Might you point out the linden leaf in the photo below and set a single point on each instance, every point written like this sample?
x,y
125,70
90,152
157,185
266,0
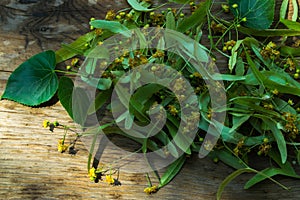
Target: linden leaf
x,y
259,14
34,81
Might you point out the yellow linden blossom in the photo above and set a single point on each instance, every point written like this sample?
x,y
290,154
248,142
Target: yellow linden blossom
x,y
150,190
109,179
92,174
110,15
46,123
173,110
275,91
290,101
61,146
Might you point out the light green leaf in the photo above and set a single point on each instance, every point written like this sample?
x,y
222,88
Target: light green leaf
x,y
140,7
74,48
170,21
259,14
34,81
291,24
233,58
227,77
113,26
172,171
283,8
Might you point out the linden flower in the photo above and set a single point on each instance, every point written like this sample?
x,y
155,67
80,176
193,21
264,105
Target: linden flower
x,y
61,146
109,179
290,101
92,174
150,190
173,110
46,123
110,15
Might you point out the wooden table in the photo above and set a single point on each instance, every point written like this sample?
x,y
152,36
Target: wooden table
x,y
31,167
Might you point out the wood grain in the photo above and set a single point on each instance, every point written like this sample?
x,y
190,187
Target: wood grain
x,y
31,167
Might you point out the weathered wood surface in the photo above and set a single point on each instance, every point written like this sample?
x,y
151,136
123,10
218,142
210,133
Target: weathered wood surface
x,y
31,167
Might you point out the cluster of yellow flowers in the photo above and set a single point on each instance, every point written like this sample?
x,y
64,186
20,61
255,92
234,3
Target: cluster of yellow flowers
x,y
291,125
228,45
61,146
151,190
270,51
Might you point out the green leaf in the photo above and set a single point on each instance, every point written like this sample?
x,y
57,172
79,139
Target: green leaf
x,y
291,24
182,141
34,81
233,58
229,178
229,159
227,77
138,6
289,51
172,171
170,21
65,90
71,50
265,174
286,167
180,1
259,14
113,26
196,18
80,105
100,100
278,137
283,8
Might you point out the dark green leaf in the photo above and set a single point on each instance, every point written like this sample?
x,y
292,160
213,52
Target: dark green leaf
x,y
172,171
259,14
182,141
196,18
34,81
65,90
229,159
80,105
289,51
100,100
278,137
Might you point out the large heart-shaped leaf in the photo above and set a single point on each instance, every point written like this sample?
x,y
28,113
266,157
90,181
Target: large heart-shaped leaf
x,y
259,14
34,81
